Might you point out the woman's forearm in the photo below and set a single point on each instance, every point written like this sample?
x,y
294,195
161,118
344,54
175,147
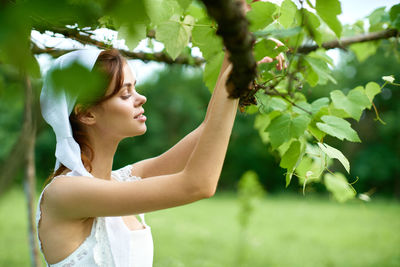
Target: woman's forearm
x,y
224,66
205,163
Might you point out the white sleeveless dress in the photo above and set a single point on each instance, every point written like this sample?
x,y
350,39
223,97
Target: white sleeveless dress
x,y
110,243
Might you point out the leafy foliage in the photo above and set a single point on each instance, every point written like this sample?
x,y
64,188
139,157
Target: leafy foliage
x,y
286,120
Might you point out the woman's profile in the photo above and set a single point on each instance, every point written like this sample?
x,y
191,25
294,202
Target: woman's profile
x,y
87,213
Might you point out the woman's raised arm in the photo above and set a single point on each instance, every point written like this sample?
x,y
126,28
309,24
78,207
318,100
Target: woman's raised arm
x,y
175,159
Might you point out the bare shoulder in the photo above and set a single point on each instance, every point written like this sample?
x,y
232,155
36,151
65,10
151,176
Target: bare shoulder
x,y
65,192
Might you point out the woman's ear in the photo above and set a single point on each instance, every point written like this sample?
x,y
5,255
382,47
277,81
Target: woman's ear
x,y
84,115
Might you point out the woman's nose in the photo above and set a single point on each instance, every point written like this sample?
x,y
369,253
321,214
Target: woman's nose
x,y
141,99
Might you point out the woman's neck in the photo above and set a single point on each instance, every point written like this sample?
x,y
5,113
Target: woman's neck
x,y
104,150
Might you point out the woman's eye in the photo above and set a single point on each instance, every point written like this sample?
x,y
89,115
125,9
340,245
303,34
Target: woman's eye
x,y
126,96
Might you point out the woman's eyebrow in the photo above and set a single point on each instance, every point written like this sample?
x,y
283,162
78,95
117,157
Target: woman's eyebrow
x,y
128,84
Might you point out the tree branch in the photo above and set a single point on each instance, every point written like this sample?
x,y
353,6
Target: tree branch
x,y
146,57
344,42
84,37
233,28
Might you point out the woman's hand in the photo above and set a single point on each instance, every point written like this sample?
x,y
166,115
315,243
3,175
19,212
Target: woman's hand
x,y
281,58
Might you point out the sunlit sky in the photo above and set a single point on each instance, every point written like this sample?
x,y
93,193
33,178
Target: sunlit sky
x,y
352,10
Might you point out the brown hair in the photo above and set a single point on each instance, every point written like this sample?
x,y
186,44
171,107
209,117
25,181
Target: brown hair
x,y
110,63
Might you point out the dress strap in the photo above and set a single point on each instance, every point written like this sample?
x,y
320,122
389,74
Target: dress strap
x,y
141,215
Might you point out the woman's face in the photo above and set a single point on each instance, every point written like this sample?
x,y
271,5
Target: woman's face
x,y
121,115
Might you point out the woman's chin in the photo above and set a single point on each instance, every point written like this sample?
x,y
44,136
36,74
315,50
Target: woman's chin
x,y
139,132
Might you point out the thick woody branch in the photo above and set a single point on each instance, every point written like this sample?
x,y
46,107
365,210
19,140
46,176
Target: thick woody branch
x,y
344,42
238,40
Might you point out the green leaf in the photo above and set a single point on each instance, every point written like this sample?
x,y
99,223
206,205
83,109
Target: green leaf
x,y
312,167
260,123
285,127
278,33
212,70
175,35
291,159
132,34
354,103
394,14
312,23
162,10
291,156
121,12
69,79
318,104
302,108
338,128
364,50
205,38
371,90
328,10
288,11
338,185
333,153
266,48
260,15
317,133
320,68
377,16
184,3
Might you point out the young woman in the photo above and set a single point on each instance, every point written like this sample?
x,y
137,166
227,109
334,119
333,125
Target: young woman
x,y
86,213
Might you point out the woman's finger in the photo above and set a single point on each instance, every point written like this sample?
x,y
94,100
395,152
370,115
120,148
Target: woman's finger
x,y
265,60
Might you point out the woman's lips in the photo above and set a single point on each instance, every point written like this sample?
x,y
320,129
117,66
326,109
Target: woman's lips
x,y
141,118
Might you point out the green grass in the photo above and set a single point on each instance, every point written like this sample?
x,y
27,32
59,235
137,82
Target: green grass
x,y
284,230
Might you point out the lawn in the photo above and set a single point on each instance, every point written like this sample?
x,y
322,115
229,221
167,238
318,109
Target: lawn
x,y
284,230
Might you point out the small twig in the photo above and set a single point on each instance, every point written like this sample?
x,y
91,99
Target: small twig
x,y
290,101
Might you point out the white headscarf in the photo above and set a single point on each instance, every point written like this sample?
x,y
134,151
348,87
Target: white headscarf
x,y
57,105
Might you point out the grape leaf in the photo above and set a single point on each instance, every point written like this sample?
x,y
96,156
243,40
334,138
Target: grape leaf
x,y
338,128
260,15
333,153
328,10
371,90
212,69
132,34
312,167
285,127
377,16
175,35
320,68
288,10
318,104
394,14
354,103
364,50
338,185
312,23
205,39
184,3
267,48
291,159
161,10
